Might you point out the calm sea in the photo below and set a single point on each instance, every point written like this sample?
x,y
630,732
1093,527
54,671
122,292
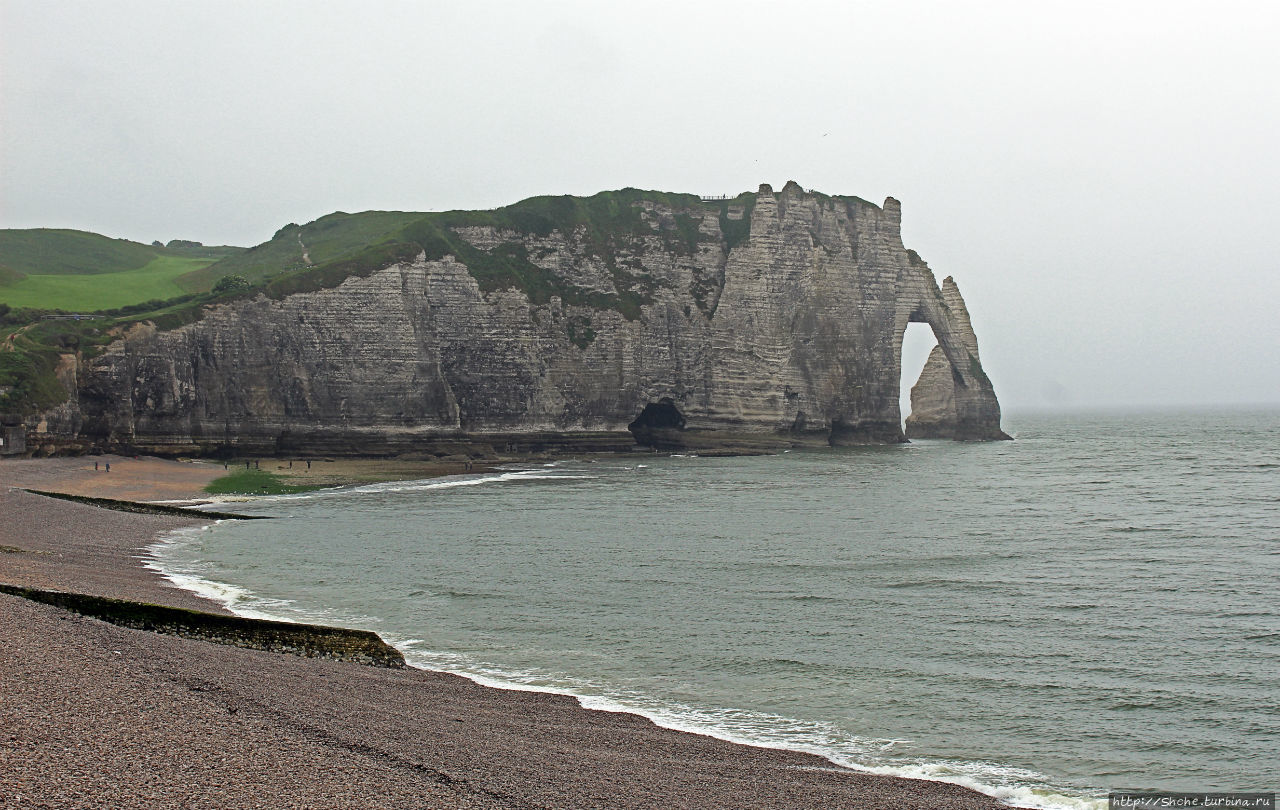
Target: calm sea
x,y
1092,606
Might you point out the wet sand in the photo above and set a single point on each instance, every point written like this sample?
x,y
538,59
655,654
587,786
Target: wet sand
x,y
95,715
141,479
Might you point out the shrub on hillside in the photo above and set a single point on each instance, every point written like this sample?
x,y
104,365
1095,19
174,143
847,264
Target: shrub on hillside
x,y
231,284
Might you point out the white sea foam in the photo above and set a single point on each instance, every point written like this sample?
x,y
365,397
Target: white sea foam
x,y
165,557
1014,786
414,485
169,557
452,482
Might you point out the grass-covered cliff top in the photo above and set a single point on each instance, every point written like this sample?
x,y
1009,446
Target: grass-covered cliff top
x,y
45,273
78,271
323,253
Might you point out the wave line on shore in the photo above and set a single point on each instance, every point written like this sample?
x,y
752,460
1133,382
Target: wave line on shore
x,y
1018,787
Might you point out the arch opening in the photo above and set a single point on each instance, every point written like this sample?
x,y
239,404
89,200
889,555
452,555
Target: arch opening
x,y
917,342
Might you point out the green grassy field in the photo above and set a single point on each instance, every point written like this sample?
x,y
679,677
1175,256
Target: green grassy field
x,y
57,268
329,239
59,251
84,293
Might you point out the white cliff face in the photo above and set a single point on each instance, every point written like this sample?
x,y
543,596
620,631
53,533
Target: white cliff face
x,y
794,333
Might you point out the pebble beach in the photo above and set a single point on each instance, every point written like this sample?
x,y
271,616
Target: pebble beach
x,y
96,715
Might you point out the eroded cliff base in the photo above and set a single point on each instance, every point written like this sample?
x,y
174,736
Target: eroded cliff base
x,y
488,447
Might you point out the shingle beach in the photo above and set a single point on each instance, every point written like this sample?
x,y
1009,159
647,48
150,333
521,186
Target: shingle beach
x,y
95,715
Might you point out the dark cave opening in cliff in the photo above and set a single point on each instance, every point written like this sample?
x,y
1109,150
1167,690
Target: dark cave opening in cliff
x,y
659,424
917,342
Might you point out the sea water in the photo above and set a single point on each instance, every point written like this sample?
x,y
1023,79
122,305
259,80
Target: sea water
x,y
1092,606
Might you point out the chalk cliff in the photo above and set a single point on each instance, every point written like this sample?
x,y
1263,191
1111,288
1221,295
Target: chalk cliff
x,y
776,317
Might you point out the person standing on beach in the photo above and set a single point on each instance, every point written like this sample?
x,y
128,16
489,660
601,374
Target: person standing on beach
x,y
95,466
108,466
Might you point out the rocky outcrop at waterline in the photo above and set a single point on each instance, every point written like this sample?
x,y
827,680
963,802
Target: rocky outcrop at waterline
x,y
774,318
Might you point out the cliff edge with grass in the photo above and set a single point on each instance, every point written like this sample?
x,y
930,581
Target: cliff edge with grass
x,y
769,319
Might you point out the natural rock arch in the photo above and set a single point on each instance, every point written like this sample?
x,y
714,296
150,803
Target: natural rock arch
x,y
953,398
802,345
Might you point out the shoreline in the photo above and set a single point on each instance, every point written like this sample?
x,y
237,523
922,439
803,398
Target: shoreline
x,y
149,479
420,735
244,602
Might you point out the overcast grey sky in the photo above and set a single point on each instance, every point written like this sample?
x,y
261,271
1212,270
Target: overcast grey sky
x,y
1100,178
